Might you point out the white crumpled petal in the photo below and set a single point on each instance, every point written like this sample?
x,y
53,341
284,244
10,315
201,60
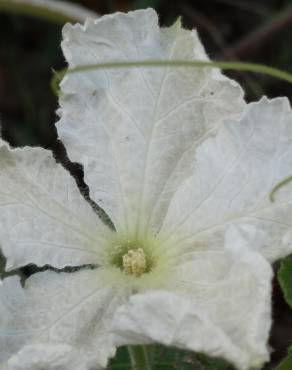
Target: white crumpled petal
x,y
53,357
136,130
58,308
219,305
43,217
234,174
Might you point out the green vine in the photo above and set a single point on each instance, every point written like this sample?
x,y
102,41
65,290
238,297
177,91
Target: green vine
x,y
49,12
239,66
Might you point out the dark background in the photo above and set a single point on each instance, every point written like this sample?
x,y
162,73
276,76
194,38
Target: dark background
x,y
258,31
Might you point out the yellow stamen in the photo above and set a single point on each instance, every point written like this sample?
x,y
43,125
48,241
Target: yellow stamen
x,y
134,262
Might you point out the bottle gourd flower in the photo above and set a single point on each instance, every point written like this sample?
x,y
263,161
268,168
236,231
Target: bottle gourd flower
x,y
183,167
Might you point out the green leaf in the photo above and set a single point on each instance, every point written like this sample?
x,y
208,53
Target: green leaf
x,y
121,360
210,363
286,364
285,279
170,358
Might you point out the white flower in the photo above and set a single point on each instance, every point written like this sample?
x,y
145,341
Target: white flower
x,y
188,264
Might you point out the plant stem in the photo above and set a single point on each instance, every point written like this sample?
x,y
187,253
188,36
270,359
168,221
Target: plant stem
x,y
240,66
53,11
139,358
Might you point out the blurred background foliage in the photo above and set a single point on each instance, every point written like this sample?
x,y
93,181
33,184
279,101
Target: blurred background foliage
x,y
258,31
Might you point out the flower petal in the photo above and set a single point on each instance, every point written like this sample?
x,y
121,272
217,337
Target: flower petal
x,y
53,357
136,129
43,217
233,176
59,309
219,305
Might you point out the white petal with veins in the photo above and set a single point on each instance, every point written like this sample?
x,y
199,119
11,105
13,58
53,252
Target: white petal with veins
x,y
53,357
43,217
136,130
59,308
233,176
219,304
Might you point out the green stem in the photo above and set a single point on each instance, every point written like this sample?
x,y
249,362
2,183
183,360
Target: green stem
x,y
239,66
139,358
52,11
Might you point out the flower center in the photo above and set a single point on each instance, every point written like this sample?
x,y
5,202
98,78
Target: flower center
x,y
134,262
132,256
